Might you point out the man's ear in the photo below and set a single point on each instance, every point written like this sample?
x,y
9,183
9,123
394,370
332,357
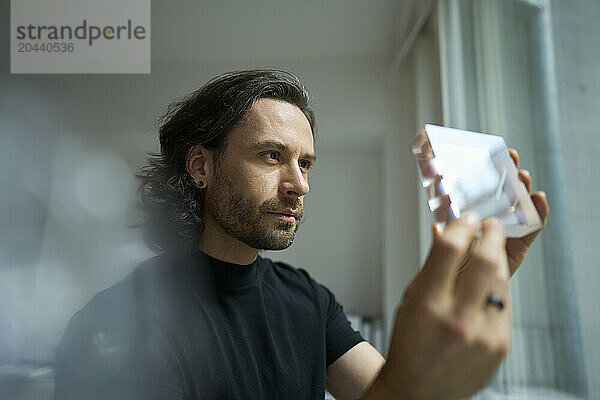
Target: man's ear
x,y
199,164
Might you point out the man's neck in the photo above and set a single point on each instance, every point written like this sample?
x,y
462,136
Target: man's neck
x,y
219,245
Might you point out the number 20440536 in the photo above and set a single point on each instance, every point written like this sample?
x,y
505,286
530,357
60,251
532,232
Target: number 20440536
x,y
45,47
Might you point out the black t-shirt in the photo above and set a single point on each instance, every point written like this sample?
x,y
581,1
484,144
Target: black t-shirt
x,y
193,327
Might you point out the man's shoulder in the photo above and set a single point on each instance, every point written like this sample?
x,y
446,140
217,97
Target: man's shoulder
x,y
117,308
145,274
285,271
114,335
295,279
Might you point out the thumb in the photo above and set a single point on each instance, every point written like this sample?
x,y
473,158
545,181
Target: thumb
x,y
436,230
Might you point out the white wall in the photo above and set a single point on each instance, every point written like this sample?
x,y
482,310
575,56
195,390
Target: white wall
x,y
401,219
576,34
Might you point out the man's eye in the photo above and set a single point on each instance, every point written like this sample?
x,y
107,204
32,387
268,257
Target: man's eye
x,y
272,155
305,164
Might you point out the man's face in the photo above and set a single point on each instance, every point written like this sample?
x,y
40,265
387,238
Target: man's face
x,y
261,178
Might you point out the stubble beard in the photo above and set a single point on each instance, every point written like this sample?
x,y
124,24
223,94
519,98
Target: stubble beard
x,y
247,222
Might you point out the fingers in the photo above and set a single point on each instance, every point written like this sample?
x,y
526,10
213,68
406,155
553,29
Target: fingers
x,y
448,252
485,321
489,251
525,177
486,271
541,205
514,154
436,230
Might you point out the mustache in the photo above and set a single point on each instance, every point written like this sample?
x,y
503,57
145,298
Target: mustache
x,y
279,204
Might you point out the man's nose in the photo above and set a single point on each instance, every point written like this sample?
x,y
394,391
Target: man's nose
x,y
294,182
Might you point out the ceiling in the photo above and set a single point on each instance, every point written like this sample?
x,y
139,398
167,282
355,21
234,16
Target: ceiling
x,y
341,49
193,32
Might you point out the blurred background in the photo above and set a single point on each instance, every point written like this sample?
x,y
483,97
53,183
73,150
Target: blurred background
x,y
377,71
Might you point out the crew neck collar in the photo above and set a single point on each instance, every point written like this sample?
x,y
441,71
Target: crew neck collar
x,y
229,275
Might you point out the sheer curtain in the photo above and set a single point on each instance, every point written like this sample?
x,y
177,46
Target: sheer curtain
x,y
497,76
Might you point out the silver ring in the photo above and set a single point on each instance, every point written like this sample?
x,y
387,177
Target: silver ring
x,y
495,300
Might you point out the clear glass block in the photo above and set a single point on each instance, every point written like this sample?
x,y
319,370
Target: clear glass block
x,y
470,171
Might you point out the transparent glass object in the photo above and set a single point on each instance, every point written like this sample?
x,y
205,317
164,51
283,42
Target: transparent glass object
x,y
470,171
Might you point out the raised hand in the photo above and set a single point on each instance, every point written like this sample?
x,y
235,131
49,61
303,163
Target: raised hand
x,y
449,335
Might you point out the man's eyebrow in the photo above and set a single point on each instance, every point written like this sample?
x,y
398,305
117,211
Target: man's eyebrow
x,y
274,144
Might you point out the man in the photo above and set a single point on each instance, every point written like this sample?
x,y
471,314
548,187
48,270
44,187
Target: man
x,y
210,318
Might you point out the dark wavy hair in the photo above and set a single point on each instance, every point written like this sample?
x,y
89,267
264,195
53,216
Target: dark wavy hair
x,y
171,203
